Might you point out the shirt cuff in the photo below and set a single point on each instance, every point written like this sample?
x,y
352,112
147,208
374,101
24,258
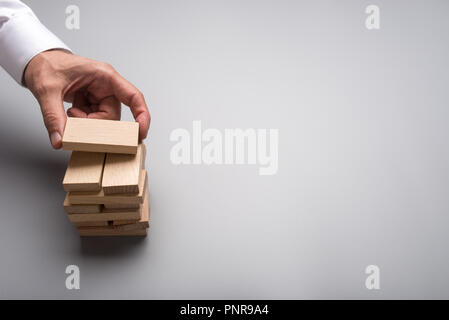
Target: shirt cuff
x,y
21,38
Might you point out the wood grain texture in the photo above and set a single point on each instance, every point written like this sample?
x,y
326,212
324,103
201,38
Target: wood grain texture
x,y
80,208
122,222
122,206
84,172
94,135
111,232
100,198
121,226
144,221
122,171
92,224
106,215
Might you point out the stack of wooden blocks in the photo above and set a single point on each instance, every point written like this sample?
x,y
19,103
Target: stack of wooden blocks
x,y
106,181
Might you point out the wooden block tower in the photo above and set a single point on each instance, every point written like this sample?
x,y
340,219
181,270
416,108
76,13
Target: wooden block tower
x,y
106,181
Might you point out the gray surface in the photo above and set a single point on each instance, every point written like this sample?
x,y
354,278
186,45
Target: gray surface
x,y
364,158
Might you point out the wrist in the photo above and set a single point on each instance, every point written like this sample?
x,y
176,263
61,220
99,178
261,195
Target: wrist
x,y
43,63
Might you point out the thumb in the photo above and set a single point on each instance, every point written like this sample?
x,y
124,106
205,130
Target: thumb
x,y
54,118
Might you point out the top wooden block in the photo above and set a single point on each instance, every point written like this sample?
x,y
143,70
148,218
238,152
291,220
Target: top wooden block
x,y
93,135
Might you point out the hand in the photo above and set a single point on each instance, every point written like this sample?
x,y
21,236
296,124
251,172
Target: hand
x,y
94,88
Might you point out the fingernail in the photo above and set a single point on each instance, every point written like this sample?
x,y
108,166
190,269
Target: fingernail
x,y
55,139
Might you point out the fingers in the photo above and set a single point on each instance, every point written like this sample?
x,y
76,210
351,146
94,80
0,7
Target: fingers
x,y
54,117
76,113
104,83
134,99
81,102
109,108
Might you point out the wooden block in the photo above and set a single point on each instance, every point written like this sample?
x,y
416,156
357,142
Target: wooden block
x,y
124,225
122,206
93,135
84,172
100,198
122,171
106,215
111,232
122,222
80,208
144,221
92,224
115,229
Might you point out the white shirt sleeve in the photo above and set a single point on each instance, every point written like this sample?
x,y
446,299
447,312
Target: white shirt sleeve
x,y
22,36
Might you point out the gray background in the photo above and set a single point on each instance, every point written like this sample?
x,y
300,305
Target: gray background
x,y
363,154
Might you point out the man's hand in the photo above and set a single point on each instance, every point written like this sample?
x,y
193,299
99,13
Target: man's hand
x,y
95,89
